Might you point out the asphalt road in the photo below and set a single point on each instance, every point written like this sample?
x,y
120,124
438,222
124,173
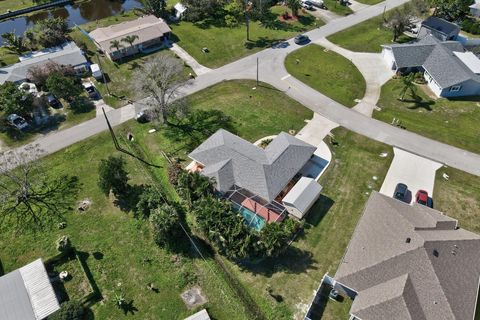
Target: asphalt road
x,y
272,71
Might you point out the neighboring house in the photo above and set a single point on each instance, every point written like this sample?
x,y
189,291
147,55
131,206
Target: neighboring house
x,y
179,10
27,293
258,179
200,315
449,70
439,28
149,32
67,54
475,9
409,262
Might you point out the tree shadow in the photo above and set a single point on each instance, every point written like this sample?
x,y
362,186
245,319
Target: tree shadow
x,y
418,103
292,261
83,257
82,105
198,125
127,202
129,308
2,271
261,42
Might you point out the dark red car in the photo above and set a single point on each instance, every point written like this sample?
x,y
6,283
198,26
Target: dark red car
x,y
422,197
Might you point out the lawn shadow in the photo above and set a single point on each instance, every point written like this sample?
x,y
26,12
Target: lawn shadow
x,y
292,261
319,211
198,125
129,200
418,102
83,257
261,42
82,105
129,308
2,271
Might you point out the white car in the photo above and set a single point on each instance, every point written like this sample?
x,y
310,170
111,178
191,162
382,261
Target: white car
x,y
17,121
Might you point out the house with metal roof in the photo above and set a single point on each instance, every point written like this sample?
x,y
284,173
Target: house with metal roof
x,y
255,178
27,293
409,262
450,70
440,28
475,8
149,33
66,54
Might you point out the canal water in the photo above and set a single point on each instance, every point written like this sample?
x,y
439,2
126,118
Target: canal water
x,y
78,13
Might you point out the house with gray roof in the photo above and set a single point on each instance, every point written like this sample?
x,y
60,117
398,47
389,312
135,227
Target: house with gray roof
x,y
440,28
27,293
66,54
409,262
266,174
450,70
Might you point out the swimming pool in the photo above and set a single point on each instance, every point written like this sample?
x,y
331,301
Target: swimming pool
x,y
251,219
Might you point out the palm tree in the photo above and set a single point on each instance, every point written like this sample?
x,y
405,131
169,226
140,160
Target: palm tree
x,y
408,85
130,39
294,5
115,44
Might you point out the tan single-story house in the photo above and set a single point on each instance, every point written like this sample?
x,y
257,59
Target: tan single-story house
x,y
149,33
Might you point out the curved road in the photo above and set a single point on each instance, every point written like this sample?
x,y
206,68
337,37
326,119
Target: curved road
x,y
272,71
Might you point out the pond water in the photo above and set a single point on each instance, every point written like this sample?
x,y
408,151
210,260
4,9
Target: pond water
x,y
78,13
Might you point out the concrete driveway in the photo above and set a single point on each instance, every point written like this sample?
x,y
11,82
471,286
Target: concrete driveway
x,y
416,172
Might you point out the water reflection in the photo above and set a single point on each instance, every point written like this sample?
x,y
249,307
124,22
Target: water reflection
x,y
75,14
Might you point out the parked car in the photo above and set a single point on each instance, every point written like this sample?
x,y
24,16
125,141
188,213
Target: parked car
x,y
308,5
17,121
315,3
301,38
90,88
53,101
422,197
400,192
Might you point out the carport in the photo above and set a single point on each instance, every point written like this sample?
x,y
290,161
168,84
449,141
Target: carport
x,y
416,172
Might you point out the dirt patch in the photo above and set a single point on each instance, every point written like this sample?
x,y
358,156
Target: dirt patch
x,y
193,297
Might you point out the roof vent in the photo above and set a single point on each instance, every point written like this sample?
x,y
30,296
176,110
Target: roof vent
x,y
408,240
435,253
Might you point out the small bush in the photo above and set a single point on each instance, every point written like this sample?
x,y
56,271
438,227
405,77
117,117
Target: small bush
x,y
149,200
165,224
471,26
70,310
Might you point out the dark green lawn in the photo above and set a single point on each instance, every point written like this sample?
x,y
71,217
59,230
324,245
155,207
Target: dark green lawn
x,y
329,226
367,36
125,242
328,72
449,121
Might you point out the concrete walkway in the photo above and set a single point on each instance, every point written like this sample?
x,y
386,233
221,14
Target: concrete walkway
x,y
373,69
324,15
416,172
99,105
189,60
316,130
357,6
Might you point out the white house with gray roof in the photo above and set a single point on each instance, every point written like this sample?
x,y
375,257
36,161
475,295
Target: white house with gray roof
x,y
450,70
268,173
66,54
409,262
27,294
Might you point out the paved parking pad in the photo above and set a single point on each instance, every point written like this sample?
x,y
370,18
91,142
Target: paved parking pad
x,y
414,171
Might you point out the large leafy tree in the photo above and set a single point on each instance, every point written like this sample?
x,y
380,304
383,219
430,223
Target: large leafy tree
x,y
452,10
39,74
161,79
62,86
155,7
14,42
14,100
51,31
294,5
399,20
198,10
30,198
165,223
193,186
113,176
149,200
69,310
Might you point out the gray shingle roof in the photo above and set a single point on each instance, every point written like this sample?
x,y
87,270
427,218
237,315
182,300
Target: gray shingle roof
x,y
434,275
66,54
441,25
232,160
436,57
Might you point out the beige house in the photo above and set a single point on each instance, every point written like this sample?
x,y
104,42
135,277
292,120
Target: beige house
x,y
149,33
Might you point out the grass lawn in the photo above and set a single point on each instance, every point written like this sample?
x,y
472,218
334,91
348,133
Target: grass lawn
x,y
229,44
367,36
13,5
337,8
453,122
328,72
459,197
7,57
293,277
117,244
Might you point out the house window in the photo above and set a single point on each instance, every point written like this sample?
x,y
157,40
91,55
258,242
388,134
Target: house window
x,y
455,88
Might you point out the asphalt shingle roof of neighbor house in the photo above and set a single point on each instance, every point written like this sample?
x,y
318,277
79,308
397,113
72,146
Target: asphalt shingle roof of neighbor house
x,y
27,294
437,58
146,28
232,160
440,25
410,262
66,54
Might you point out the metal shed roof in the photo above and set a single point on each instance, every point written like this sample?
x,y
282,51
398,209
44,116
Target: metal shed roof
x,y
201,315
303,194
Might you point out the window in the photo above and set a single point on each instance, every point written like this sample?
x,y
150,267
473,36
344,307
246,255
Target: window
x,y
455,88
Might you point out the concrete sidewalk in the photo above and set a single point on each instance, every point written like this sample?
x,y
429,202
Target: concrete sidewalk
x,y
192,63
